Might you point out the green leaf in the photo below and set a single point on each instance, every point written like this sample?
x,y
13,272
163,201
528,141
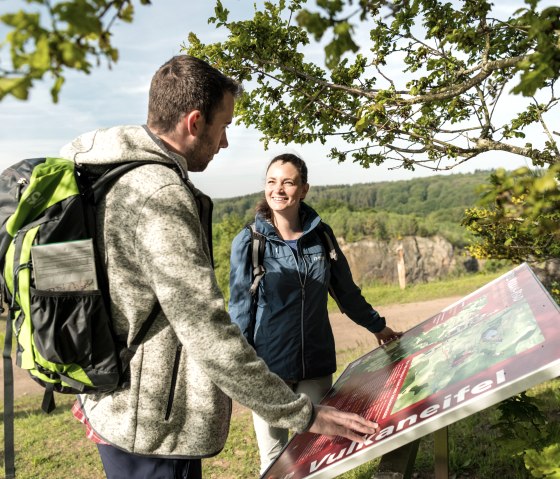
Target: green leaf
x,y
40,59
545,463
18,87
361,124
80,16
127,13
55,90
221,12
546,183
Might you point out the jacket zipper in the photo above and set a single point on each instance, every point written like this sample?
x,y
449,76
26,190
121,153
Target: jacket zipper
x,y
302,316
302,285
173,382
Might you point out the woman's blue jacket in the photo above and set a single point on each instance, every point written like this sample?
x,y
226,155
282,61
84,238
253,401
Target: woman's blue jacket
x,y
290,328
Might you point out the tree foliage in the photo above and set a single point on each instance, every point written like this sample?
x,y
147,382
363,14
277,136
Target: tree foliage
x,y
518,216
412,83
424,90
55,36
441,196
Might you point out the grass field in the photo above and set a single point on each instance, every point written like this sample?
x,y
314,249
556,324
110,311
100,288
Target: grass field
x,y
384,294
54,446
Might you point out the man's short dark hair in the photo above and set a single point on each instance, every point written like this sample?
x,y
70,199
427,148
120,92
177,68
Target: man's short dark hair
x,y
184,84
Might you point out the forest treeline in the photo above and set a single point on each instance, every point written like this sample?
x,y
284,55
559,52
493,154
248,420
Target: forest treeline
x,y
384,210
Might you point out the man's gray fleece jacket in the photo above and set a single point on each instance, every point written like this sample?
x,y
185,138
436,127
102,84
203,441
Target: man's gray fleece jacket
x,y
193,359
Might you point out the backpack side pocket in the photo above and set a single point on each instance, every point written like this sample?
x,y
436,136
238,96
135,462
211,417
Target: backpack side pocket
x,y
69,330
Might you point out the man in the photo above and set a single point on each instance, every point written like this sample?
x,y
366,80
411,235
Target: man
x,y
154,229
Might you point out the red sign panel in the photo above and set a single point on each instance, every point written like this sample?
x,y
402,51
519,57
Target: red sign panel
x,y
497,342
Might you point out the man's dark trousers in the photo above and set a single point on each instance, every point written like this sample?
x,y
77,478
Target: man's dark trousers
x,y
123,465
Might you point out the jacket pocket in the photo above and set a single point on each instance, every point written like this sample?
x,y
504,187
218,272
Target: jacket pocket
x,y
173,383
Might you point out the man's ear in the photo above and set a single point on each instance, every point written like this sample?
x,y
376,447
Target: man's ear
x,y
193,121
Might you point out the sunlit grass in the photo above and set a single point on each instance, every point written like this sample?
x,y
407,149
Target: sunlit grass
x,y
383,294
55,445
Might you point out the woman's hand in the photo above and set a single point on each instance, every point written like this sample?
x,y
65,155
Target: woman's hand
x,y
386,335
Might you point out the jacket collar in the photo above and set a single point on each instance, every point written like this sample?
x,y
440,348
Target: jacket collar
x,y
309,220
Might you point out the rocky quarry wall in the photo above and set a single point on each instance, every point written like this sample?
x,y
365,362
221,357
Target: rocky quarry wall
x,y
425,259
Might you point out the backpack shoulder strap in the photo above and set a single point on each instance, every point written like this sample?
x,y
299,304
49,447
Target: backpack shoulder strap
x,y
328,244
97,185
9,445
127,354
327,241
256,250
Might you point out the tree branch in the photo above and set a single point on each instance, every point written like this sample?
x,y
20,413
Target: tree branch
x,y
545,128
486,144
486,70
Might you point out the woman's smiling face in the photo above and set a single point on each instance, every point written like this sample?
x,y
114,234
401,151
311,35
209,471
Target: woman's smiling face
x,y
284,188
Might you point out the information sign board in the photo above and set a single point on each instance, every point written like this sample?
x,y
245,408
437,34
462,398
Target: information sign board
x,y
496,342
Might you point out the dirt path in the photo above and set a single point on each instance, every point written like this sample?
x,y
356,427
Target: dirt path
x,y
400,317
347,334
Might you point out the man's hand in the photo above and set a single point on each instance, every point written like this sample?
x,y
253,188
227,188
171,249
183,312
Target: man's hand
x,y
331,422
386,335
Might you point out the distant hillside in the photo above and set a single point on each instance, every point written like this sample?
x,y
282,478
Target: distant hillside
x,y
422,214
443,197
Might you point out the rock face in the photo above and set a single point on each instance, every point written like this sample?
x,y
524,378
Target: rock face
x,y
424,259
548,272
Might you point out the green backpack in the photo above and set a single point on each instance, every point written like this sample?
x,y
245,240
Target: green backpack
x,y
55,286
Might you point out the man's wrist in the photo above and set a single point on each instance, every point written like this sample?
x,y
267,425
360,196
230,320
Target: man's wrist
x,y
312,418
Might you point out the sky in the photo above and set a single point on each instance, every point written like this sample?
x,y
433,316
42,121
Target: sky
x,y
118,96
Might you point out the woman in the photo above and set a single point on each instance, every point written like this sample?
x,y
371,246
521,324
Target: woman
x,y
287,320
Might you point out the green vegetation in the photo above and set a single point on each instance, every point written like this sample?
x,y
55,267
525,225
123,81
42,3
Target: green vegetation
x,y
47,40
422,206
421,197
55,445
383,294
519,218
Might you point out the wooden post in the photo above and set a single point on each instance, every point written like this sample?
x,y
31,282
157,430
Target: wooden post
x,y
400,266
441,453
